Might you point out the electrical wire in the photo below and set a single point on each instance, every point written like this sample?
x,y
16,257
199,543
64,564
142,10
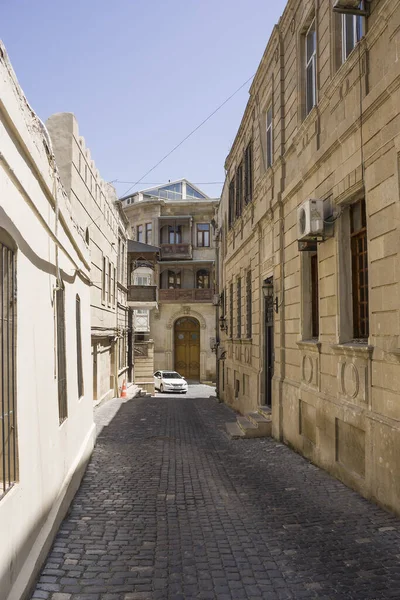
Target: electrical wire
x,y
189,135
163,182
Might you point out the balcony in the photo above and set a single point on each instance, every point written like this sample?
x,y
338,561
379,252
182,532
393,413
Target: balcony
x,y
176,251
189,295
142,293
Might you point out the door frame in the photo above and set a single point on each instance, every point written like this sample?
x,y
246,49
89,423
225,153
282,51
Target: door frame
x,y
199,327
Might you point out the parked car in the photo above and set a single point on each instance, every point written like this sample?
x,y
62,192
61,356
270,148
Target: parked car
x,y
170,381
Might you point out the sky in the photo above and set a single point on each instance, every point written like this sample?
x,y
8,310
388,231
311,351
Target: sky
x,y
140,75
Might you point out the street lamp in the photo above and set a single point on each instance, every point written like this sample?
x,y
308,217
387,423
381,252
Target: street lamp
x,y
268,291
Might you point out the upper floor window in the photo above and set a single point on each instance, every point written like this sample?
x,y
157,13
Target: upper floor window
x,y
249,306
239,308
175,234
248,173
231,207
203,235
352,32
139,233
310,66
231,310
149,230
142,280
203,279
174,280
359,268
269,137
239,190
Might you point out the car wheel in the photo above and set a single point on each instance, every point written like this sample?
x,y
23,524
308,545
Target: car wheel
x,y
161,388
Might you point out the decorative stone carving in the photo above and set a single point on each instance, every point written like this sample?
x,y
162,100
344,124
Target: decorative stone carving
x,y
353,379
310,363
185,310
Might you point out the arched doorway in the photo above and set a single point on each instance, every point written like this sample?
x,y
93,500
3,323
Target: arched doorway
x,y
187,347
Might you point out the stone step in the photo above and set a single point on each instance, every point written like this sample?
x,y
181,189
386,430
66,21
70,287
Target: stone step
x,y
249,428
234,431
265,411
264,424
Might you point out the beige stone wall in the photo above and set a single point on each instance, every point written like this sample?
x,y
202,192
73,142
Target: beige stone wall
x,y
334,399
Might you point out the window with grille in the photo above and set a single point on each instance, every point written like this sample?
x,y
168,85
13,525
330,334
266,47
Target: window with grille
x,y
139,233
239,308
269,137
310,67
149,230
248,173
248,305
79,347
352,32
61,356
203,235
314,296
239,190
231,207
231,310
8,416
359,265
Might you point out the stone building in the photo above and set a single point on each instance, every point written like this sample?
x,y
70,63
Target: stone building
x,y
104,225
46,408
309,290
178,219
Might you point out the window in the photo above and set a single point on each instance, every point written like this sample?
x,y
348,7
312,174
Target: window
x,y
248,173
139,233
248,305
203,279
239,308
149,229
231,207
174,234
8,416
114,287
231,310
79,347
239,190
311,79
269,137
314,295
352,32
359,265
122,267
109,284
174,280
142,280
203,235
103,280
61,356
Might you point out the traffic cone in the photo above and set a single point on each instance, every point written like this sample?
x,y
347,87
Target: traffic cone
x,y
123,390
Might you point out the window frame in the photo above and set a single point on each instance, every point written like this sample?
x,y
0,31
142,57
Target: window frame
x,y
248,173
206,276
176,276
148,232
239,308
269,137
310,66
239,190
203,236
249,305
139,233
359,277
358,31
231,203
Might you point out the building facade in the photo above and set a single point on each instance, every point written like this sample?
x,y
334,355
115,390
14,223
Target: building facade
x,y
46,409
309,307
104,225
178,219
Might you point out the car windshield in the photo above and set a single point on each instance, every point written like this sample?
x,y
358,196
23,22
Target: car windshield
x,y
171,375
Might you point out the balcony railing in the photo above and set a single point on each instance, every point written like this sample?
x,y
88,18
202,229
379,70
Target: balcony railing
x,y
181,295
176,251
142,293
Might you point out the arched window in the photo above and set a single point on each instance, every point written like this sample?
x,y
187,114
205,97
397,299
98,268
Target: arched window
x,y
203,279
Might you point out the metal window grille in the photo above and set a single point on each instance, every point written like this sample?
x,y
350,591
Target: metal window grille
x,y
248,305
231,207
269,137
248,173
311,57
359,254
239,308
231,311
314,296
79,347
61,356
239,190
8,425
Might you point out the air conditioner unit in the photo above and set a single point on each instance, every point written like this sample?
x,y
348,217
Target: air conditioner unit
x,y
352,7
216,299
310,220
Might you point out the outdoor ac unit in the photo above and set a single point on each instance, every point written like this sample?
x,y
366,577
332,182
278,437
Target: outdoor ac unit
x,y
310,220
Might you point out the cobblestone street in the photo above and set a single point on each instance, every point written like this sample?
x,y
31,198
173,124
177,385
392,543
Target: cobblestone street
x,y
171,509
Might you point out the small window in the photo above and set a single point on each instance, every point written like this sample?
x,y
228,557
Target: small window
x,y
149,229
79,347
139,233
310,67
203,235
248,173
231,207
203,279
359,266
142,280
248,305
239,308
352,32
239,191
269,137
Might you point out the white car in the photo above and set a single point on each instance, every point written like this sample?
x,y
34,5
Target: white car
x,y
170,381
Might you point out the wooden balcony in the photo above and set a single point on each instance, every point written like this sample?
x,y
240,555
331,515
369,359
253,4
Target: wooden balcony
x,y
181,295
176,251
142,293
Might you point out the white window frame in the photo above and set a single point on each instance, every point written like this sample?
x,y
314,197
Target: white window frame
x,y
311,67
357,29
269,136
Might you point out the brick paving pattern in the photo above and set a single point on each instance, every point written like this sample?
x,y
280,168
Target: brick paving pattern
x,y
171,509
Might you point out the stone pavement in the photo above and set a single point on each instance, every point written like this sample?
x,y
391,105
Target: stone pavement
x,y
171,509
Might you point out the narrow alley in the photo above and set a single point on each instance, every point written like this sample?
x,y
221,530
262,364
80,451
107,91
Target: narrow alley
x,y
171,509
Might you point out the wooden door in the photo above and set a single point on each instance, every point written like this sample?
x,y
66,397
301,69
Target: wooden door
x,y
187,347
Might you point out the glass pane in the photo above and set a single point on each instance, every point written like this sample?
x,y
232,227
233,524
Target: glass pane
x,y
310,42
203,226
310,89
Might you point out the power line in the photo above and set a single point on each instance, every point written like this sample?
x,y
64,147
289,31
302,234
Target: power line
x,y
163,182
189,135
